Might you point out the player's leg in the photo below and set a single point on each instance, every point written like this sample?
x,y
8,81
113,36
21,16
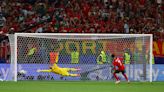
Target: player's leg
x,y
116,77
73,69
74,75
124,74
66,73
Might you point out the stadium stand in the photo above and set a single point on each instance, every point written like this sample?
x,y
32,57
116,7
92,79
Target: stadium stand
x,y
81,16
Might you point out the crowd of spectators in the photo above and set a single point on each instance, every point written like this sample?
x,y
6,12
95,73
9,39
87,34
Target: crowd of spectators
x,y
82,16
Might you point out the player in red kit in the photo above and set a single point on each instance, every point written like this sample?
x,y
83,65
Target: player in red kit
x,y
118,67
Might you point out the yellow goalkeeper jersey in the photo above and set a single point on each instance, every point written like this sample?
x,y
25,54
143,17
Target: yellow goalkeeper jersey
x,y
56,69
62,71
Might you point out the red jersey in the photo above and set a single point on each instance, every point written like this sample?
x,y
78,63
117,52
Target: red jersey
x,y
118,65
54,57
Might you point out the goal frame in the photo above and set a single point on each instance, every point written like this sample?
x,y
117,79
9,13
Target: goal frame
x,y
78,34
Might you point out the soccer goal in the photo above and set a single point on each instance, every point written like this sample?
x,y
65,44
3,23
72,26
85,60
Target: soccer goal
x,y
33,51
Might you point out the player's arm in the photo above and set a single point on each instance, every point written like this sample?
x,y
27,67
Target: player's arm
x,y
44,70
114,67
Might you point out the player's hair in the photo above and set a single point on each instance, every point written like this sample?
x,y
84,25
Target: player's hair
x,y
112,55
50,67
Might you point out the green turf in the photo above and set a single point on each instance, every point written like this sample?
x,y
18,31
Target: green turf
x,y
77,86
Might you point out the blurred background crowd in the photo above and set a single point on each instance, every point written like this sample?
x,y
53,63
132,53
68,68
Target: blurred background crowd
x,y
80,16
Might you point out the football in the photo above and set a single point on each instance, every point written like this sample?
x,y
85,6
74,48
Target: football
x,y
22,71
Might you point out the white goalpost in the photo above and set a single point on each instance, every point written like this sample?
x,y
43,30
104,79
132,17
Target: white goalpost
x,y
31,51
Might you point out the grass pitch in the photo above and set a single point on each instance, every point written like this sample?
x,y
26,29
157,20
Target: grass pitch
x,y
80,86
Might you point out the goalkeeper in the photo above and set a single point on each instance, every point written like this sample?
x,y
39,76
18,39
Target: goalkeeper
x,y
58,70
61,71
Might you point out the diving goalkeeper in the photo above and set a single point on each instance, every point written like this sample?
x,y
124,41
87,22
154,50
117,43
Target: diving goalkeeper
x,y
61,71
58,70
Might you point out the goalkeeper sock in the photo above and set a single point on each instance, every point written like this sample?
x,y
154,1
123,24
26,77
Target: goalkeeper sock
x,y
75,69
74,75
78,69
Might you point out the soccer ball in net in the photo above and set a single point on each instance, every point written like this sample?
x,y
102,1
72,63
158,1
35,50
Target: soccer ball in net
x,y
22,72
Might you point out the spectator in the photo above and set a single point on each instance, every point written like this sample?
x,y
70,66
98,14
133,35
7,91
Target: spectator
x,y
2,20
126,27
40,29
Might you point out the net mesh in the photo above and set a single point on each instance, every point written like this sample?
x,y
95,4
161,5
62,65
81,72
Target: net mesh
x,y
33,53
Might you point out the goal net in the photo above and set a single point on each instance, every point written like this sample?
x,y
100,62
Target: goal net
x,y
89,52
